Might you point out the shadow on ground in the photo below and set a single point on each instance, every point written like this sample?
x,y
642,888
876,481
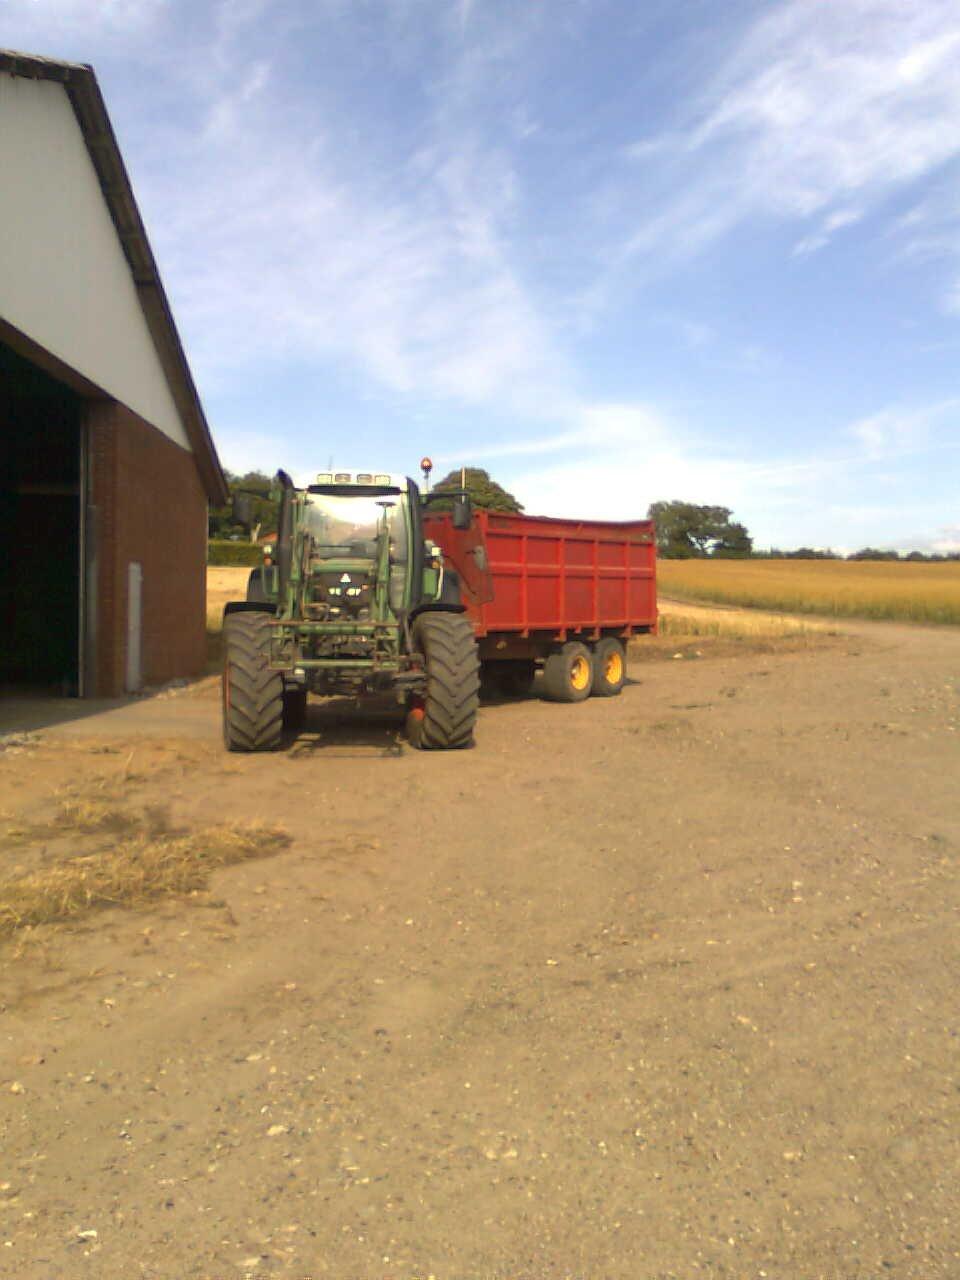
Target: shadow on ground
x,y
28,711
346,727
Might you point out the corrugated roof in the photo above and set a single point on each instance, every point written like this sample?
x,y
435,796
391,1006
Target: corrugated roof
x,y
80,83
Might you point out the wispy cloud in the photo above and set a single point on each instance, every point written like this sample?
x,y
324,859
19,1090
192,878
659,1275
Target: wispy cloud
x,y
108,22
899,430
820,105
821,237
626,456
590,427
286,242
929,232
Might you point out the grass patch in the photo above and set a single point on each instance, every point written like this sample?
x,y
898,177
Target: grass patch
x,y
886,590
146,861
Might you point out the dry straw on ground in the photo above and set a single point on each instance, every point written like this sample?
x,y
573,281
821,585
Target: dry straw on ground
x,y
143,861
735,624
698,631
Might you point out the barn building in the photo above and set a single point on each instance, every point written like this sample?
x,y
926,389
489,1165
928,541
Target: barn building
x,y
106,461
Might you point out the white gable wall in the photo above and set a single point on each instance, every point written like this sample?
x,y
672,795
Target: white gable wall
x,y
64,279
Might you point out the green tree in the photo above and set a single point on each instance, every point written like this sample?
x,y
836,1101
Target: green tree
x,y
484,492
264,510
874,553
685,531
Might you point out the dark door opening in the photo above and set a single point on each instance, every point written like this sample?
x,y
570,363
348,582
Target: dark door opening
x,y
40,506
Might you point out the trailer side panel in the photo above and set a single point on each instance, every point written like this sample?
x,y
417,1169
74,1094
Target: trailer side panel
x,y
554,578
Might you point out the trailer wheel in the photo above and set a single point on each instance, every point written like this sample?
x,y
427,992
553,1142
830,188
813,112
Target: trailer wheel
x,y
568,675
448,713
252,693
609,668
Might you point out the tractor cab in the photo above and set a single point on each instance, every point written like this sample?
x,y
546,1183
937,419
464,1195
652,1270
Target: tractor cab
x,y
357,531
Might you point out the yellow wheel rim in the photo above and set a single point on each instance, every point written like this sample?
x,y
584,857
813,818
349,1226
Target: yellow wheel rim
x,y
580,674
613,668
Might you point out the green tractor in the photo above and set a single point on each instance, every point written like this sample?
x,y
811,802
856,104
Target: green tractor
x,y
353,601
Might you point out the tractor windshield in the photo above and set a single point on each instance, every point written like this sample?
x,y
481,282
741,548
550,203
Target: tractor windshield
x,y
347,525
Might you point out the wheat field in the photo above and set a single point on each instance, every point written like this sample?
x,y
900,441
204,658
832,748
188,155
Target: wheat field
x,y
910,592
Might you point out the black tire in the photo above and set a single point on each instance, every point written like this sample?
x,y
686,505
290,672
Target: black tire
x,y
609,668
255,591
294,709
568,674
252,693
448,715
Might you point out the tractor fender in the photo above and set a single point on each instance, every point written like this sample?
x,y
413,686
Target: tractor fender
x,y
249,606
438,606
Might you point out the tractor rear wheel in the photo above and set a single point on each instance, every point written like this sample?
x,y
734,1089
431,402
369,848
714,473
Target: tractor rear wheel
x,y
448,712
568,674
252,693
609,668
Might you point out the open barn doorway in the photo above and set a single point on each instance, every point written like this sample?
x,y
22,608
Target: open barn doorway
x,y
41,500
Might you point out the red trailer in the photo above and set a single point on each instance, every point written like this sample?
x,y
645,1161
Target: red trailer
x,y
562,593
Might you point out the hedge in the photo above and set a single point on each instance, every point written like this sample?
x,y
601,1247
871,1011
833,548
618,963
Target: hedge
x,y
224,552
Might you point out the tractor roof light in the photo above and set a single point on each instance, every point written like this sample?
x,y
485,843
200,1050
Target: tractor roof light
x,y
369,479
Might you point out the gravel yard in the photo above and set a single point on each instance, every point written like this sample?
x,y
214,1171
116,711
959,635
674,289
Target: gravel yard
x,y
657,986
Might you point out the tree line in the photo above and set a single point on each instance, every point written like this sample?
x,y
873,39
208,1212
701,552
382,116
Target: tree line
x,y
484,492
685,530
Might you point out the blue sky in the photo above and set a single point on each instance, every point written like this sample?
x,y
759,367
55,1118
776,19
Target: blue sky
x,y
614,252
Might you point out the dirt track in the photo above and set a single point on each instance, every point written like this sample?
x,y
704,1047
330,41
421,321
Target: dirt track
x,y
655,987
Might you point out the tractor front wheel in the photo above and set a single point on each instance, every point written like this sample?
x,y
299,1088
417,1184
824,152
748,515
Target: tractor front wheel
x,y
444,718
252,693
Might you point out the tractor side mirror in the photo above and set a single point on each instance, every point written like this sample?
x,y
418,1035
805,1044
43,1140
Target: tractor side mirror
x,y
242,510
462,512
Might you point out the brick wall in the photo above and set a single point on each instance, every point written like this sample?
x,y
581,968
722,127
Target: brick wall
x,y
146,505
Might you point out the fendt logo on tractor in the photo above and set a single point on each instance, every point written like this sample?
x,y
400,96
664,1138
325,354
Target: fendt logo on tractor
x,y
374,586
